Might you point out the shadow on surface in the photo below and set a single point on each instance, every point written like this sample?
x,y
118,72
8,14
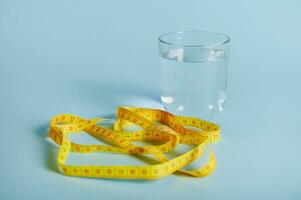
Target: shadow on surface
x,y
49,150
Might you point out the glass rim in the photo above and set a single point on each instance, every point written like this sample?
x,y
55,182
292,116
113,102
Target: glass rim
x,y
227,39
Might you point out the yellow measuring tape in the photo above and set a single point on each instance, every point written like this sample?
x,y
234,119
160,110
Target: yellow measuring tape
x,y
157,125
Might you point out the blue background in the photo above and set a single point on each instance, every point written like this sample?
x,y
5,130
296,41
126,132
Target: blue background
x,y
89,57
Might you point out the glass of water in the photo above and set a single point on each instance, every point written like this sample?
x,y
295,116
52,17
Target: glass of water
x,y
194,67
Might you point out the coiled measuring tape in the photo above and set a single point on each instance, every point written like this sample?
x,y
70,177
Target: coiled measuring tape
x,y
157,125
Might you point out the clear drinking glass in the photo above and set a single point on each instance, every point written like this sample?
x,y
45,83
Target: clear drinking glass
x,y
194,67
